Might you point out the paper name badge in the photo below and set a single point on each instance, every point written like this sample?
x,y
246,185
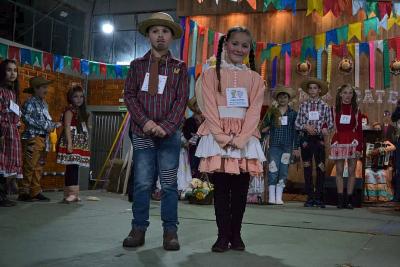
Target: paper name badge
x,y
345,119
313,115
162,81
237,97
14,108
284,120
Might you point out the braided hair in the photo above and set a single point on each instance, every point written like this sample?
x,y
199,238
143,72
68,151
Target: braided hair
x,y
354,105
221,42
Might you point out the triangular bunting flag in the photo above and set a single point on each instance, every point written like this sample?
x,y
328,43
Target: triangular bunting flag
x,y
320,41
14,53
385,8
85,67
370,24
47,61
26,57
315,5
94,68
118,71
37,58
354,31
3,51
68,62
110,71
103,69
76,64
384,22
342,34
58,63
331,37
357,5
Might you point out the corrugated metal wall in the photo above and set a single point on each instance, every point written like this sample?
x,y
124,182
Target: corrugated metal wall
x,y
105,129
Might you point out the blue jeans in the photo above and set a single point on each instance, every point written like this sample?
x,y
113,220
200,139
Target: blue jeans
x,y
279,160
151,155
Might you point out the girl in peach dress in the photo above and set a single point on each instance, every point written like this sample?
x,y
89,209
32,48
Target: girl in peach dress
x,y
229,147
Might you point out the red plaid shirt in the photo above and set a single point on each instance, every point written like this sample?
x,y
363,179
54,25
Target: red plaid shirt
x,y
167,109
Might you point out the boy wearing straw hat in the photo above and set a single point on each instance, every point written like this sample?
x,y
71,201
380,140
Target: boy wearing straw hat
x,y
39,124
279,123
314,120
156,93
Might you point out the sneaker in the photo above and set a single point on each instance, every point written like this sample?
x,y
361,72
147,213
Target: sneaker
x,y
7,203
319,204
41,197
135,238
221,245
170,241
25,198
309,203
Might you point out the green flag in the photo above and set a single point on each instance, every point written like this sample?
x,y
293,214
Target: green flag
x,y
125,70
370,24
386,67
110,71
94,68
3,51
36,58
265,54
266,4
68,62
308,44
210,37
371,6
342,33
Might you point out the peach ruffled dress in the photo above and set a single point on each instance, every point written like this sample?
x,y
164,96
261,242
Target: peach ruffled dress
x,y
222,122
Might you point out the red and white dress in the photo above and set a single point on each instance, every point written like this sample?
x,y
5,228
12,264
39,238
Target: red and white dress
x,y
10,151
348,138
80,144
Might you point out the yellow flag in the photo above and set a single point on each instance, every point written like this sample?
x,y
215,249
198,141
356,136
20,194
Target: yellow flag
x,y
320,40
391,22
351,48
354,30
275,51
314,5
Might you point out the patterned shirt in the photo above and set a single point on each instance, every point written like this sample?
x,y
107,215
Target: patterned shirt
x,y
35,115
166,109
282,134
325,115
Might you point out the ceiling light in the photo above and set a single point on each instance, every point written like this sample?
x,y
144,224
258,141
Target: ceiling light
x,y
107,28
63,14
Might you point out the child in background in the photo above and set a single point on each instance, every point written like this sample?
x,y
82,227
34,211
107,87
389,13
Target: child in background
x,y
347,141
283,142
35,139
73,148
10,142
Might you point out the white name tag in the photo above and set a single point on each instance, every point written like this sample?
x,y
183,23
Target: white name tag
x,y
14,108
313,115
345,119
84,127
162,81
284,120
237,97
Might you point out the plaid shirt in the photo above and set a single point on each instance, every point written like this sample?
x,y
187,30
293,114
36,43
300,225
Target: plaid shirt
x,y
167,109
283,134
35,115
325,115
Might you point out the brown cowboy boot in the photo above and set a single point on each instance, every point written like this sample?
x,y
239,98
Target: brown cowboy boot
x,y
136,238
171,241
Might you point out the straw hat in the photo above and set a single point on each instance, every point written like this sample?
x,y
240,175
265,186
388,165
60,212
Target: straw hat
x,y
36,82
161,19
323,85
283,89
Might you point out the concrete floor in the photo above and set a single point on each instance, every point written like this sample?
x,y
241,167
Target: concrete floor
x,y
91,234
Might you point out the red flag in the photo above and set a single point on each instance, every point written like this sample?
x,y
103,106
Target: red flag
x,y
384,8
252,3
47,60
337,50
13,53
76,64
201,29
296,48
332,5
259,48
103,69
